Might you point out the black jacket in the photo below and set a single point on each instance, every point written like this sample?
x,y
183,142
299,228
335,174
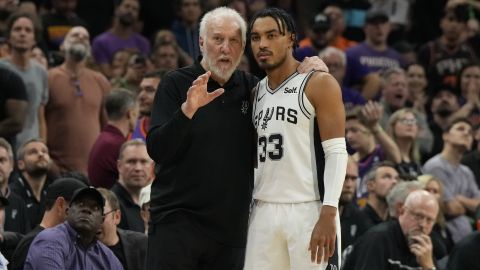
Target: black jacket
x,y
134,247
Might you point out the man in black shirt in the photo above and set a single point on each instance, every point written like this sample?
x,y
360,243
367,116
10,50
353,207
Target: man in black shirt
x,y
353,221
398,244
465,253
202,139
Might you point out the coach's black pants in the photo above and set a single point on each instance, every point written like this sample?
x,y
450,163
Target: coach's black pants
x,y
176,244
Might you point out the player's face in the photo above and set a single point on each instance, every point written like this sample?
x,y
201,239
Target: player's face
x,y
269,46
222,47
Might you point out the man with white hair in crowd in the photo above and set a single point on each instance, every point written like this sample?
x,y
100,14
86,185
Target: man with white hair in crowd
x,y
75,113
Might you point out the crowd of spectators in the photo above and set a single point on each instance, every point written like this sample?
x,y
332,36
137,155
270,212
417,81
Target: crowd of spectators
x,y
78,79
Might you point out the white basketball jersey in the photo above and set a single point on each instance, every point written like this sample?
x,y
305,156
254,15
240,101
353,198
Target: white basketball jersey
x,y
284,120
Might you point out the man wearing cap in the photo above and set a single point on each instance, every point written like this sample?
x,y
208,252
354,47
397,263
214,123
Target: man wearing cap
x,y
73,244
371,56
321,35
57,198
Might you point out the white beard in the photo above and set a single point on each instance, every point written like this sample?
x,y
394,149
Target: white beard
x,y
222,73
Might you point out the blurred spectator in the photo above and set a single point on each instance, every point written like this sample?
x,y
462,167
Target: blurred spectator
x,y
370,143
379,181
241,6
465,253
424,19
398,13
73,244
257,5
445,56
8,240
75,112
136,69
417,87
472,159
120,63
33,161
320,36
407,52
441,237
148,89
186,26
21,33
122,115
121,36
462,196
39,56
165,56
13,104
399,244
337,18
167,36
393,85
371,56
398,194
58,21
134,169
469,87
403,128
7,7
354,222
130,247
336,61
57,198
16,216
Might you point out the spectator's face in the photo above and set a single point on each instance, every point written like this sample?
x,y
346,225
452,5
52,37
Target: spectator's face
x,y
395,91
445,103
406,126
358,136
222,47
77,43
269,46
336,18
6,166
335,66
434,188
36,160
110,222
127,12
190,11
416,79
85,215
377,33
351,177
148,88
470,79
166,57
385,179
452,28
9,6
22,35
322,37
134,167
459,135
39,56
65,6
419,216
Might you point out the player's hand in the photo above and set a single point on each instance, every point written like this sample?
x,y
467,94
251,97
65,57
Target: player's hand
x,y
322,241
198,96
422,249
312,63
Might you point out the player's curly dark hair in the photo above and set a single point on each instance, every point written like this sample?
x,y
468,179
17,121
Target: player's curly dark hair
x,y
284,21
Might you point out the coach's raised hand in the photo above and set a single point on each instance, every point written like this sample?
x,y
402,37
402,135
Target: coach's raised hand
x,y
198,95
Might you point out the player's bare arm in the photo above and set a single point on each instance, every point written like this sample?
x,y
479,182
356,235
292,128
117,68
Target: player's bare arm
x,y
324,94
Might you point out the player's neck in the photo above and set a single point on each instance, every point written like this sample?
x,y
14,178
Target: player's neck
x,y
281,73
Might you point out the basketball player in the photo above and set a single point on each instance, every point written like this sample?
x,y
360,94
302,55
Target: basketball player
x,y
290,226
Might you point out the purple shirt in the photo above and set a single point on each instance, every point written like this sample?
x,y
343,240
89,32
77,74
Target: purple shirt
x,y
107,44
362,60
57,248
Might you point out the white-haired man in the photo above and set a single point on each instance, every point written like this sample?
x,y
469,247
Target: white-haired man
x,y
202,138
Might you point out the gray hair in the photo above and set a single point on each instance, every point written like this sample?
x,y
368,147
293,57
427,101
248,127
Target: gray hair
x,y
387,73
6,145
332,50
118,102
399,193
223,13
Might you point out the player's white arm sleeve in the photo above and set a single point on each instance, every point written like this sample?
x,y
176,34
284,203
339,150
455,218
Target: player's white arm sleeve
x,y
336,158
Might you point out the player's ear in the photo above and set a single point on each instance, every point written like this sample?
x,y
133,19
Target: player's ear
x,y
292,39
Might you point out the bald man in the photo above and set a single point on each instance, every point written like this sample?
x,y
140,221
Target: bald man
x,y
74,113
399,244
